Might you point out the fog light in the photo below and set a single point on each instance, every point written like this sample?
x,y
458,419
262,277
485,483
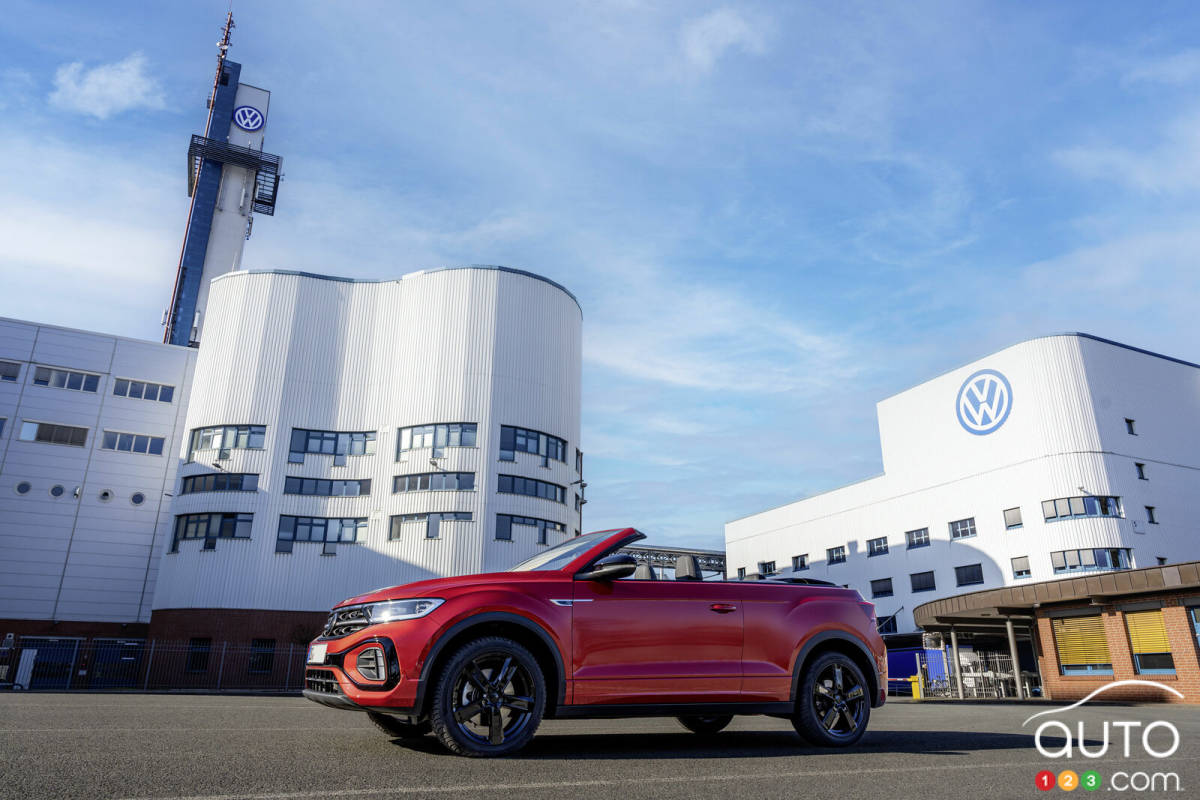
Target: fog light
x,y
371,664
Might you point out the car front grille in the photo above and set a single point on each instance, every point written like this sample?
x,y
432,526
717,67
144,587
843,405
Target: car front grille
x,y
321,680
345,621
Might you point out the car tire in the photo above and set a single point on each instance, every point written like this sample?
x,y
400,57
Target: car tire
x,y
489,699
398,728
833,704
706,726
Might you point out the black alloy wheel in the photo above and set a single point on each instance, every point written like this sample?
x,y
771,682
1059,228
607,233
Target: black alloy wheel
x,y
706,726
489,699
398,728
833,704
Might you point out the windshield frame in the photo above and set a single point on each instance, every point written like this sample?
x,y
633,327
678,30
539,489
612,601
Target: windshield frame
x,y
597,548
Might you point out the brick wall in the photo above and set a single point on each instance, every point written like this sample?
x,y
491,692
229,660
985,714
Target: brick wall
x,y
1183,649
236,625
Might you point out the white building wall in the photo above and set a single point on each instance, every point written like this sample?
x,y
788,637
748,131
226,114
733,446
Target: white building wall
x,y
89,553
288,350
1065,436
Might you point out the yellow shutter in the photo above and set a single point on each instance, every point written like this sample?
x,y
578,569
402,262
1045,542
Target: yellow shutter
x,y
1081,640
1147,633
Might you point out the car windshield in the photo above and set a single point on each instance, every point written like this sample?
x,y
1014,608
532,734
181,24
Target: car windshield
x,y
559,556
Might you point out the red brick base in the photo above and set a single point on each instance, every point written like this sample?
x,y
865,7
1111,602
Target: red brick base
x,y
236,625
1180,633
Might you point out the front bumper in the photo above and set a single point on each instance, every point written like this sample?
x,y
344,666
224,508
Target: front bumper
x,y
336,681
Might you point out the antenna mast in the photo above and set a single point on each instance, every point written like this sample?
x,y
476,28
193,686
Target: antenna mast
x,y
222,49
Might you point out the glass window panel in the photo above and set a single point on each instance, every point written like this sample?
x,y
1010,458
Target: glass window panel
x,y
141,443
136,388
1072,557
1077,507
58,379
125,442
1063,507
151,392
110,441
166,394
156,445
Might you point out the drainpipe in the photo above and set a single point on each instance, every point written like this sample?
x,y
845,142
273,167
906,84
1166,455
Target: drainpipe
x,y
1012,649
957,666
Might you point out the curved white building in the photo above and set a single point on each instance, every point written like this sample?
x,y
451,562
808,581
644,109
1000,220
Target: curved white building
x,y
343,435
1055,457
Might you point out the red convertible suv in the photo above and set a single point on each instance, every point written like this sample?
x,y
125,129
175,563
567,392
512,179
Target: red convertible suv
x,y
581,631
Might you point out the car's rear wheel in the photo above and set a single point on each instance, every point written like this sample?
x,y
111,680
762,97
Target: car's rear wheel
x,y
706,726
833,704
398,728
489,698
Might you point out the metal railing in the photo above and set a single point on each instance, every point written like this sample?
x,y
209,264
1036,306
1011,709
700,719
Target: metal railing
x,y
199,665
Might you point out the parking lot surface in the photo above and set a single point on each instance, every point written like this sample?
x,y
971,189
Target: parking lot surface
x,y
156,746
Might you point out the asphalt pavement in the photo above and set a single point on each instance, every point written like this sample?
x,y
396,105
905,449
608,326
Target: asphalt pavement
x,y
278,748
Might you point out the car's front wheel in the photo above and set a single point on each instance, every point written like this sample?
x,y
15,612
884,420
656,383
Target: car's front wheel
x,y
833,704
706,726
489,698
398,728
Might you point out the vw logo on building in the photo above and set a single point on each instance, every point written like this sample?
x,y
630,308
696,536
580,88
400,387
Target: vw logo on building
x,y
248,118
984,402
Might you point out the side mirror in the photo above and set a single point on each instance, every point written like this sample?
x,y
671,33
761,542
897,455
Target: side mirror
x,y
610,569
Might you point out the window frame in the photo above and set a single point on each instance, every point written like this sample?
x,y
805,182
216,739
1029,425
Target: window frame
x,y
921,535
966,523
890,592
51,382
1012,526
119,439
912,578
875,549
55,428
836,555
958,574
800,562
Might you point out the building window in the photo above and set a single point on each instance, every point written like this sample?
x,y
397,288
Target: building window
x,y
877,547
917,538
1082,646
220,482
578,462
505,523
1129,427
962,528
329,531
1020,567
321,487
338,444
9,371
515,484
887,624
923,582
1012,518
2,421
522,440
437,436
741,573
766,568
142,390
1162,560
1148,643
432,522
434,482
198,650
1151,517
836,555
881,588
132,443
262,656
49,433
1067,507
969,575
799,562
1194,613
1090,560
211,527
66,379
1141,471
227,437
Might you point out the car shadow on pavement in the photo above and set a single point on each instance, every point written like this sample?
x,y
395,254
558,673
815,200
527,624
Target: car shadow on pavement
x,y
750,744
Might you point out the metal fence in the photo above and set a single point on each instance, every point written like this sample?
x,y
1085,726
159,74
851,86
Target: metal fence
x,y
66,664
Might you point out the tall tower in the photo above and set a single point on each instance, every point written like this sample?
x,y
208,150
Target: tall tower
x,y
230,179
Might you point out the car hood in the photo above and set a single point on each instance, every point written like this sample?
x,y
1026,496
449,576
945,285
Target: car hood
x,y
432,587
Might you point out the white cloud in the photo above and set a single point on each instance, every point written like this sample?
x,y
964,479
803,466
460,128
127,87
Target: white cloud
x,y
106,89
1176,69
1174,165
705,39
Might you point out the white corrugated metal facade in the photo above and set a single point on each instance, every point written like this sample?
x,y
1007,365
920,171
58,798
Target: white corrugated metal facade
x,y
73,544
486,346
1065,435
481,345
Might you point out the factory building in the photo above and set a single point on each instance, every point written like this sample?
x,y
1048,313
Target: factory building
x,y
1057,457
295,440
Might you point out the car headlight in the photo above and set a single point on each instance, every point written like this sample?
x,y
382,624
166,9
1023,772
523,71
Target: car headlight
x,y
392,610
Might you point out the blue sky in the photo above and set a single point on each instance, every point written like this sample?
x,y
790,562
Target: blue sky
x,y
774,215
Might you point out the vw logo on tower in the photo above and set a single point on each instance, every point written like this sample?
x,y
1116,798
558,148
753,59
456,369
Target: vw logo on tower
x,y
248,118
984,402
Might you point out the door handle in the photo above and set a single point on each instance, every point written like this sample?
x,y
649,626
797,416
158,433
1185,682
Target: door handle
x,y
722,608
